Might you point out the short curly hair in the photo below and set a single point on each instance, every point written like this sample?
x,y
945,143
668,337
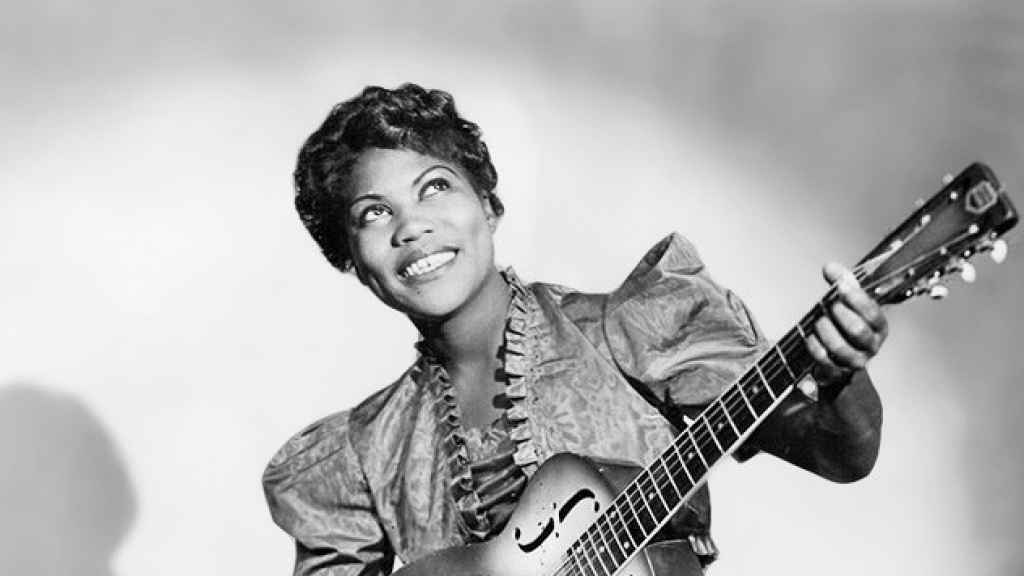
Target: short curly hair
x,y
406,118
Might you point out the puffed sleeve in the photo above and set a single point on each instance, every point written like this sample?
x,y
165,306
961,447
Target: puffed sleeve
x,y
317,493
671,329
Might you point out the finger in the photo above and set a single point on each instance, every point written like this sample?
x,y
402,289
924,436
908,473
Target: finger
x,y
839,351
819,353
851,292
825,372
834,272
855,329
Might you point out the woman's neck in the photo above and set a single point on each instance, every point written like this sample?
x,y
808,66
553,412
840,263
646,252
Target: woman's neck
x,y
469,338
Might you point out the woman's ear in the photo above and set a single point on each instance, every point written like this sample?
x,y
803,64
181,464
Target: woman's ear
x,y
492,218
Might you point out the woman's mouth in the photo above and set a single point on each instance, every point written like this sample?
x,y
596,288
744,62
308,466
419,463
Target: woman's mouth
x,y
427,264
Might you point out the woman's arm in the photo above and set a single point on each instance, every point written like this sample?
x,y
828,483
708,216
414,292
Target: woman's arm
x,y
681,339
317,494
835,437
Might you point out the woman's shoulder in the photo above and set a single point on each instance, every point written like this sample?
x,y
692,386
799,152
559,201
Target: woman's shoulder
x,y
332,441
671,259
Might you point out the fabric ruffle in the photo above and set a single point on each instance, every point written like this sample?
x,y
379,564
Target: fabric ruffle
x,y
514,357
517,374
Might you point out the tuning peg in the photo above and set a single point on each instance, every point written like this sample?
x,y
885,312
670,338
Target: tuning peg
x,y
964,268
998,251
938,292
967,272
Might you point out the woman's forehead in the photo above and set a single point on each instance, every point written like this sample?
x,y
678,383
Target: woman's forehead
x,y
380,170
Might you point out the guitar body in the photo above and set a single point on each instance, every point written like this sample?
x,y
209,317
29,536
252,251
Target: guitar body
x,y
563,499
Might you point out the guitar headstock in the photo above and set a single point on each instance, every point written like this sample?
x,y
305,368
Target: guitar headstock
x,y
967,217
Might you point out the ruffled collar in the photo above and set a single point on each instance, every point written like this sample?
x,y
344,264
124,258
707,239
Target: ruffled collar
x,y
515,358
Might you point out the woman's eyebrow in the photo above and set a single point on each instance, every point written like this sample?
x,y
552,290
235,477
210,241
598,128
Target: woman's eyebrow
x,y
431,168
365,196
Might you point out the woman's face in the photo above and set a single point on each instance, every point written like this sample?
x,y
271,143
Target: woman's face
x,y
419,235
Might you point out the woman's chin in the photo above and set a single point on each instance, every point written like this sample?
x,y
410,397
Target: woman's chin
x,y
431,310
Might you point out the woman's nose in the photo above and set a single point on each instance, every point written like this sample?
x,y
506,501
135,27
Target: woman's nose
x,y
411,227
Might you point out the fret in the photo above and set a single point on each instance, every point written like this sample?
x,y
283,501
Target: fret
x,y
642,494
696,448
800,329
655,502
782,357
711,432
725,410
753,413
692,461
595,553
608,542
668,473
799,357
643,514
623,545
581,567
615,519
758,395
764,380
723,431
635,529
708,450
588,554
600,561
738,410
682,462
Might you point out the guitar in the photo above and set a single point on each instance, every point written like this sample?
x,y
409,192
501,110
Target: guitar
x,y
570,522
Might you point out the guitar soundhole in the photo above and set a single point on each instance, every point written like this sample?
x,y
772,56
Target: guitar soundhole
x,y
548,528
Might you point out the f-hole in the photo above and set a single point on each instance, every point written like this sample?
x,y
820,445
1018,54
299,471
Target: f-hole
x,y
549,526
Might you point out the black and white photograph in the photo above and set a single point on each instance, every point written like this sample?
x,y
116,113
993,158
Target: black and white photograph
x,y
514,288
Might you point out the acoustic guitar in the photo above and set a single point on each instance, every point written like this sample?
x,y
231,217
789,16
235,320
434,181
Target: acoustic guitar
x,y
569,521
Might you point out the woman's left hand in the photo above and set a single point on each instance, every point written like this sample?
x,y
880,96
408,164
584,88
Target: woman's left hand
x,y
850,334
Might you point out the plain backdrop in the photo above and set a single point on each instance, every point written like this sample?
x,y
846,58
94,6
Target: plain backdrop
x,y
166,323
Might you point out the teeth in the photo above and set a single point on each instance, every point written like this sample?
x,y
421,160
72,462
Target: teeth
x,y
427,263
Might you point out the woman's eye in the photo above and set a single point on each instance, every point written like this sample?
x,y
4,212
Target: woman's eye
x,y
434,186
374,213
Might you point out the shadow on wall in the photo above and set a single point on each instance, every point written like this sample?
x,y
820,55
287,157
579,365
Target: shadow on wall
x,y
65,496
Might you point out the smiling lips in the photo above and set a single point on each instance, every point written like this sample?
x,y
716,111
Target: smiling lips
x,y
427,264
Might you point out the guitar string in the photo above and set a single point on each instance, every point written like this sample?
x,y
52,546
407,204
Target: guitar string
x,y
662,481
651,474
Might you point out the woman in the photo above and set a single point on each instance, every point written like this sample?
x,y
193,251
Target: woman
x,y
397,187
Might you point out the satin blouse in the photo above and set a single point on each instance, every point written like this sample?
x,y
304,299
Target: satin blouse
x,y
607,376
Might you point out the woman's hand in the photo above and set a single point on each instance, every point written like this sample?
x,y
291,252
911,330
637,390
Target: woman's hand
x,y
851,332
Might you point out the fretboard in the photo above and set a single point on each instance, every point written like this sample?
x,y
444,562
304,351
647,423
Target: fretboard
x,y
651,499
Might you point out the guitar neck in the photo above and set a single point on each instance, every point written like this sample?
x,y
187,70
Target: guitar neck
x,y
654,496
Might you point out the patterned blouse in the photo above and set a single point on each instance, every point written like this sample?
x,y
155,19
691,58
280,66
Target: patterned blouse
x,y
600,375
